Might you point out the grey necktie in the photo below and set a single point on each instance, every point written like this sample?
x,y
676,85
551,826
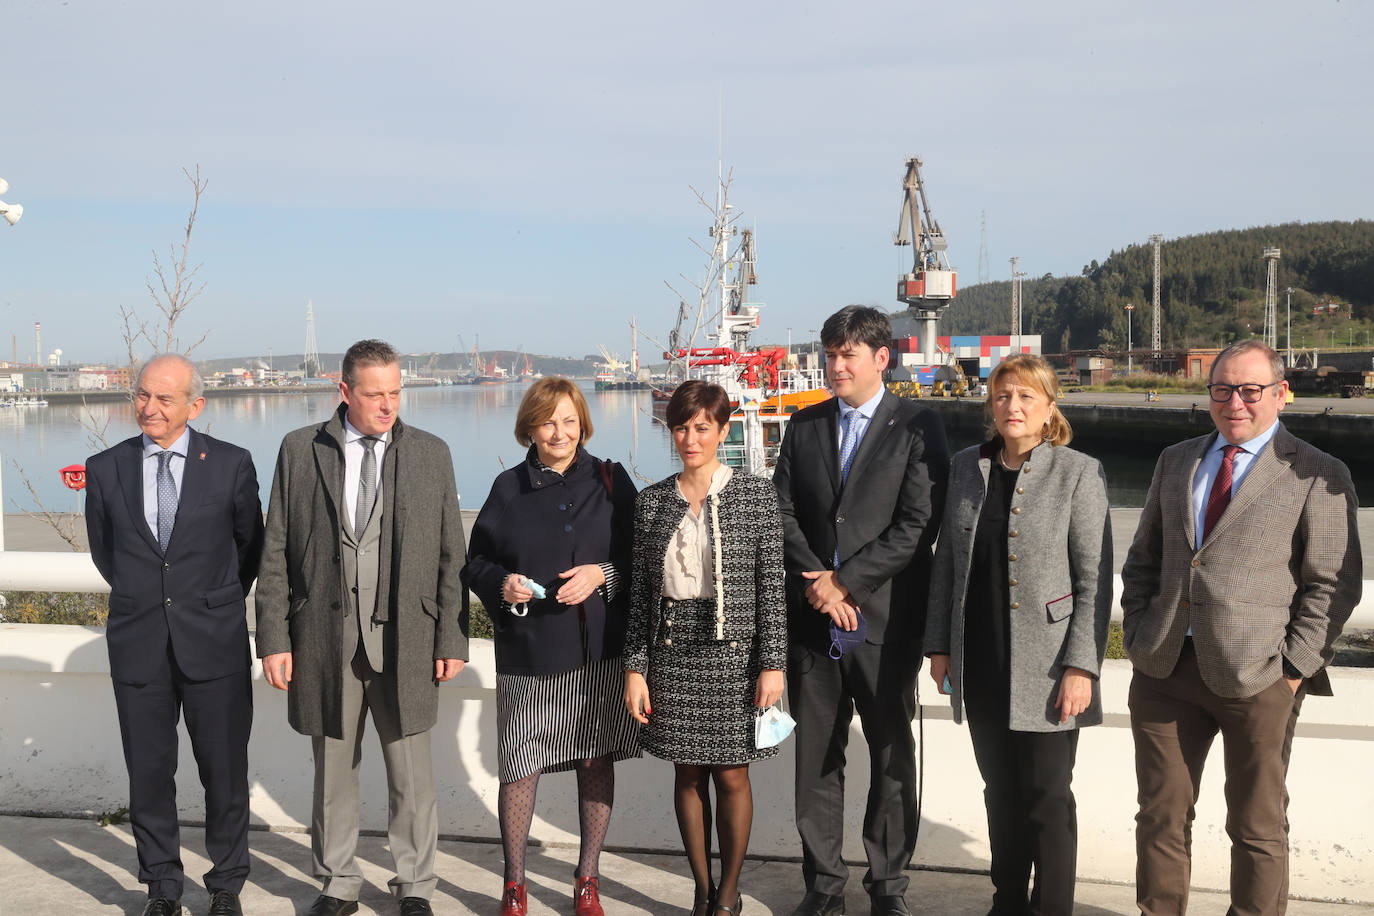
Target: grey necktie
x,y
367,485
166,499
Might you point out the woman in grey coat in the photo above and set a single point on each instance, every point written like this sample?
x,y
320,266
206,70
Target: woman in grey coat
x,y
1020,600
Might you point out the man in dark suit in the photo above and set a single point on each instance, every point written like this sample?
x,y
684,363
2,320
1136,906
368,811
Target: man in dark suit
x,y
1245,566
860,482
175,526
360,610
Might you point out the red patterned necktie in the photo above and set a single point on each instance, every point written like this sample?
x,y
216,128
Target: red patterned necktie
x,y
1220,496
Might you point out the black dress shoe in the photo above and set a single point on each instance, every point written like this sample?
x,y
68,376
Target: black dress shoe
x,y
325,905
162,906
415,906
225,903
817,904
890,905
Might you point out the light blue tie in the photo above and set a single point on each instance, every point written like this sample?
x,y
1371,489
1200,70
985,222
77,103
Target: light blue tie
x,y
166,499
849,443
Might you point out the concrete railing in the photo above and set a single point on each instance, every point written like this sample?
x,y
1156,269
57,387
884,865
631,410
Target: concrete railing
x,y
60,753
74,572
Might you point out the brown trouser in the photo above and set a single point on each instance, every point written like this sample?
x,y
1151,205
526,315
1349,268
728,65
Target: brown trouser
x,y
1173,721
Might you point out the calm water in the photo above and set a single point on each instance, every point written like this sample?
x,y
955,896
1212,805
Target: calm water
x,y
476,421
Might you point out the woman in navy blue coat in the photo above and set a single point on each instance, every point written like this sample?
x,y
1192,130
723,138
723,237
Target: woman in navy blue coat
x,y
548,555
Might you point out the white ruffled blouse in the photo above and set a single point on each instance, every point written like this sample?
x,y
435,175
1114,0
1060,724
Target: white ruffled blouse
x,y
688,563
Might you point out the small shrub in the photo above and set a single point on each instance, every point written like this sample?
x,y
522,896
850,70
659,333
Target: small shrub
x,y
1116,648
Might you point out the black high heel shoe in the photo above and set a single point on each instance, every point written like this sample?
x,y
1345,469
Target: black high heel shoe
x,y
732,910
705,907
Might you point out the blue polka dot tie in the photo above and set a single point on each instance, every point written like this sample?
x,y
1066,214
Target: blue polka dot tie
x,y
166,499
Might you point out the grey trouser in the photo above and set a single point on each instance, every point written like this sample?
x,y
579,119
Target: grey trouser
x,y
413,827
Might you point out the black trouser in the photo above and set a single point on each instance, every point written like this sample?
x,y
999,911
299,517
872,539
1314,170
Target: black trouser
x,y
880,683
1032,817
219,716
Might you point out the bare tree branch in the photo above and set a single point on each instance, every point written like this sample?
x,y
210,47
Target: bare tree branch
x,y
64,523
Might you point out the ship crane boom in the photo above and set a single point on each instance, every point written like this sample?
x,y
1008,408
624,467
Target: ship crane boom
x,y
931,283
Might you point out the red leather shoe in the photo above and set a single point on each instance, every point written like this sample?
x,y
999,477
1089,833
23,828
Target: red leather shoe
x,y
587,898
513,901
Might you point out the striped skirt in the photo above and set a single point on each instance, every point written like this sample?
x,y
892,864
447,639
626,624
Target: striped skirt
x,y
549,722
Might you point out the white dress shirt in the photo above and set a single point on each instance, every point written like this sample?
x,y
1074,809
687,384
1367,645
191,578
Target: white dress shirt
x,y
353,466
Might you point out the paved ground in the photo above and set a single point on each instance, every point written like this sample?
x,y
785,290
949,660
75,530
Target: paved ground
x,y
50,865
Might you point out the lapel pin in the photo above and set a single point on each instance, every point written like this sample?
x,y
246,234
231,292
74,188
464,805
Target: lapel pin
x,y
202,456
891,422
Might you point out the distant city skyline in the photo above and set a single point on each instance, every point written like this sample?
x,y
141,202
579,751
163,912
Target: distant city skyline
x,y
522,173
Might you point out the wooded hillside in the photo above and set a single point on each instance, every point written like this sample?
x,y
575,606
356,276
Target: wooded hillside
x,y
1212,291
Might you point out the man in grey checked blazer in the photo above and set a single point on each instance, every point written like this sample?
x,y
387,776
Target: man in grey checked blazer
x,y
1230,625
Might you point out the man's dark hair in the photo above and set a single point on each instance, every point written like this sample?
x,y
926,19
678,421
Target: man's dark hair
x,y
856,324
367,353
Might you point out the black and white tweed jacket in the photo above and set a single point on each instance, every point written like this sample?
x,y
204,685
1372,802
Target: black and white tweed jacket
x,y
750,598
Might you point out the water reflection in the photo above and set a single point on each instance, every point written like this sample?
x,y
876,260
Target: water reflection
x,y
476,421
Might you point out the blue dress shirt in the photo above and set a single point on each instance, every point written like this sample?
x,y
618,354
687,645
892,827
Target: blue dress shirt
x,y
177,465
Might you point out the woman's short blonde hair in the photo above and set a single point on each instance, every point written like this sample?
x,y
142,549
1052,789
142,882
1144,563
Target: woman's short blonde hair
x,y
1033,372
539,402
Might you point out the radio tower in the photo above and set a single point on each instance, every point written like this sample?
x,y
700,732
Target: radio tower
x,y
1155,319
311,364
1015,303
1271,298
984,269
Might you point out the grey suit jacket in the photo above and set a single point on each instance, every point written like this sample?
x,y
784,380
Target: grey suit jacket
x,y
1275,579
301,587
1060,600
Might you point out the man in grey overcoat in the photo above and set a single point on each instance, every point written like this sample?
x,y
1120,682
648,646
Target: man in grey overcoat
x,y
359,610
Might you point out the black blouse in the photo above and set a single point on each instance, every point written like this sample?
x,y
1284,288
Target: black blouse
x,y
987,628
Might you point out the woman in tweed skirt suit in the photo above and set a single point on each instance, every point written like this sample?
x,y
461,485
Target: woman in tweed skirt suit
x,y
707,637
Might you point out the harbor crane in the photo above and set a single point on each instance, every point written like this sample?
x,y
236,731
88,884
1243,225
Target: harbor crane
x,y
930,284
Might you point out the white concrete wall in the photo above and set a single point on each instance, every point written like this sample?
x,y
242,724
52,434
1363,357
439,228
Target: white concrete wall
x,y
60,753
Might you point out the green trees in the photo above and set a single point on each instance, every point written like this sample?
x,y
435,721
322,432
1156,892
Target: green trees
x,y
1211,290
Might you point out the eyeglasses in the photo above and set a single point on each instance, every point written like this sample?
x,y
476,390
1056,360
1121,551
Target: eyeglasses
x,y
1250,394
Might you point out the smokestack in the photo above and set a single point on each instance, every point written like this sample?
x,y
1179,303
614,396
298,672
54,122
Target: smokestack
x,y
37,344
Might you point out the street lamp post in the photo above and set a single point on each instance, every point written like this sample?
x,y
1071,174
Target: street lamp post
x,y
1129,308
1290,327
10,213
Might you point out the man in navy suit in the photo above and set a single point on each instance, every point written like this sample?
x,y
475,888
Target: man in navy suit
x,y
860,481
175,526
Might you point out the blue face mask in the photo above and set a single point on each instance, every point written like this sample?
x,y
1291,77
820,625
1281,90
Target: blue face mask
x,y
771,727
841,641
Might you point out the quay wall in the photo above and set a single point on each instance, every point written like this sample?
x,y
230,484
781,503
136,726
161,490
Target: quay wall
x,y
1148,430
60,755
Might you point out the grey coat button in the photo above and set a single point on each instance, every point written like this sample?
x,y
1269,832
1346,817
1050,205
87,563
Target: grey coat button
x,y
1012,558
1015,605
1015,510
167,601
1011,582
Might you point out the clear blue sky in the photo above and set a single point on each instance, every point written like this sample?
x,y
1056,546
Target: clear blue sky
x,y
521,170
